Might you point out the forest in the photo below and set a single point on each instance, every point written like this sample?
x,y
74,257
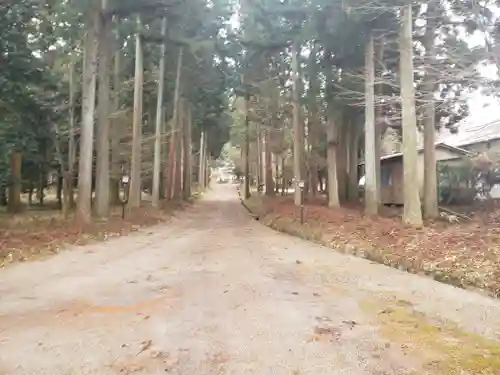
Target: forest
x,y
109,104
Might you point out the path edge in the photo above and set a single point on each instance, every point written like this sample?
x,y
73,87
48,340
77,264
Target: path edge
x,y
351,250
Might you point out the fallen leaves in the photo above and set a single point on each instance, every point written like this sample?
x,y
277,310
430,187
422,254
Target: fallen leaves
x,y
326,329
466,254
34,235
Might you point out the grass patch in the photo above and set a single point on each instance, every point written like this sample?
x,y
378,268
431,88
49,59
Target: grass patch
x,y
445,348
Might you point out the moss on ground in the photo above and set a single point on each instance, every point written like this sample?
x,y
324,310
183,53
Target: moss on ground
x,y
445,348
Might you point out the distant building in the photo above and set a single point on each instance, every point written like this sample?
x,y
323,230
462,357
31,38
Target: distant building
x,y
476,138
451,148
391,171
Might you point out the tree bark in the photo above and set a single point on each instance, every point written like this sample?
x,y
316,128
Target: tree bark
x,y
30,195
431,210
277,173
379,126
246,167
177,190
187,170
312,122
71,135
116,127
298,140
371,195
206,163
159,119
64,180
102,142
174,131
201,170
14,201
60,188
259,157
412,214
342,162
283,179
134,199
3,196
353,150
41,184
83,209
268,163
331,159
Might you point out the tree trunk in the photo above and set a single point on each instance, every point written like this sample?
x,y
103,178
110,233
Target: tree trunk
x,y
353,150
175,126
313,179
206,158
170,163
177,190
41,185
14,201
378,165
277,173
84,201
65,196
379,125
259,157
187,170
71,144
208,173
412,214
134,199
298,140
165,152
64,180
246,167
30,195
187,149
268,163
371,195
430,168
102,141
116,126
342,162
263,158
59,188
201,170
283,179
331,159
312,122
158,125
182,162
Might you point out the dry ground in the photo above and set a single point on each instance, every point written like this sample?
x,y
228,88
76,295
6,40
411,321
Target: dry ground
x,y
466,254
214,292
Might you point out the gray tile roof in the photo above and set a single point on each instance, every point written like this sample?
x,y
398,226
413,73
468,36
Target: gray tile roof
x,y
470,133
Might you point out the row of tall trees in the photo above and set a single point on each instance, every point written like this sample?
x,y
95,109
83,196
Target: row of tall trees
x,y
105,89
101,88
324,81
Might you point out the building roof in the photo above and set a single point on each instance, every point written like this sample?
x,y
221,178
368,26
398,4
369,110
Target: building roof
x,y
459,151
472,131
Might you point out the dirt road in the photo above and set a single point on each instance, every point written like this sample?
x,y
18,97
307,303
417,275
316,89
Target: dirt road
x,y
214,292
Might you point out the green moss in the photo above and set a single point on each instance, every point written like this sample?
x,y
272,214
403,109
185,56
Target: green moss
x,y
444,347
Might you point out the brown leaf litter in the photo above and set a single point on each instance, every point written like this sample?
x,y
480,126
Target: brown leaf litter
x,y
465,254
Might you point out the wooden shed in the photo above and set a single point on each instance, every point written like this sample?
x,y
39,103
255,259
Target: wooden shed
x,y
391,171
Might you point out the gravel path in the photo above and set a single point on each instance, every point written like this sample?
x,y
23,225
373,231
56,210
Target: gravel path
x,y
214,292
